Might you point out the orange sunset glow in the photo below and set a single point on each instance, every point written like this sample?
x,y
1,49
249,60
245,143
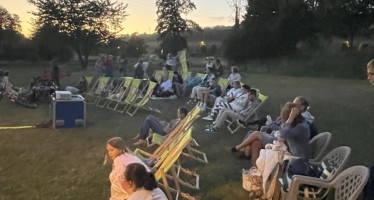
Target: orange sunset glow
x,y
142,14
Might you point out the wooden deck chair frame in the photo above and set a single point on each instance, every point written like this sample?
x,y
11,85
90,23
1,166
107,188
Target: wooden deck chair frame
x,y
233,125
127,84
128,101
172,137
135,106
169,164
102,101
100,83
131,95
90,82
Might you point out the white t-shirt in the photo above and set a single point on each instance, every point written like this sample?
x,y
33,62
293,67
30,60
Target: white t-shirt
x,y
143,194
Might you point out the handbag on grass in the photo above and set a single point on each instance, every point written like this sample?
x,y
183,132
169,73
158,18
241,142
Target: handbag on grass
x,y
252,182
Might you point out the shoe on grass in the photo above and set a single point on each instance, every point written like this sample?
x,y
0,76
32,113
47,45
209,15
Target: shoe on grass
x,y
208,118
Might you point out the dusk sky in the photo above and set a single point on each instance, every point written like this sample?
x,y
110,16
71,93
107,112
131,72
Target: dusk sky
x,y
142,14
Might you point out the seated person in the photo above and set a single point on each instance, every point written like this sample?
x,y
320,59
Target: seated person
x,y
301,103
141,184
185,88
234,76
119,95
218,68
235,105
291,127
159,127
209,63
80,87
202,87
214,90
230,95
225,113
165,89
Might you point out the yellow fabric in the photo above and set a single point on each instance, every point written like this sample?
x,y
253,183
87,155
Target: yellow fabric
x,y
16,127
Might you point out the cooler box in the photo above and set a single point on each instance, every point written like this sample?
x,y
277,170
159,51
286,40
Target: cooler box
x,y
69,113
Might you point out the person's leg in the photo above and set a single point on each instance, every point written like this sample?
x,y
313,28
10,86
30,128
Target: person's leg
x,y
193,92
150,122
255,136
255,151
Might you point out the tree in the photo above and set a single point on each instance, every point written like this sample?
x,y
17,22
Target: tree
x,y
85,22
171,27
49,42
344,18
270,28
238,7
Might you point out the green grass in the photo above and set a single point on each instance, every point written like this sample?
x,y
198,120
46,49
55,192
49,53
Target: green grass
x,y
67,164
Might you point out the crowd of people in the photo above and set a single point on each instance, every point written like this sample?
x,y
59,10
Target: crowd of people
x,y
294,127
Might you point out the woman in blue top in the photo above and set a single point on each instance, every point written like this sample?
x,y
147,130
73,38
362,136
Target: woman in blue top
x,y
290,127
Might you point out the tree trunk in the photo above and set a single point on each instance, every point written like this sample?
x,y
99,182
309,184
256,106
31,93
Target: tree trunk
x,y
83,61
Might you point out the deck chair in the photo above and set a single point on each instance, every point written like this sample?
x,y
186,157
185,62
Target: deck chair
x,y
121,105
191,151
170,75
233,125
169,164
134,106
172,137
187,121
159,74
224,83
127,84
319,144
200,75
102,101
347,185
99,85
331,165
90,82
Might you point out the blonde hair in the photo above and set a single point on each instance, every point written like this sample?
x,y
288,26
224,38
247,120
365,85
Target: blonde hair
x,y
371,64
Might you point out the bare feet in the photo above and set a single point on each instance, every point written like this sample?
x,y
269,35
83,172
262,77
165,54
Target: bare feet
x,y
140,142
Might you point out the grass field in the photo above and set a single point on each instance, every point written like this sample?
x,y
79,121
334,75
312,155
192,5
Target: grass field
x,y
67,164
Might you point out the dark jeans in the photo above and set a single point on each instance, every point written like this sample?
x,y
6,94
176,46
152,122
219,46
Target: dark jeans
x,y
150,122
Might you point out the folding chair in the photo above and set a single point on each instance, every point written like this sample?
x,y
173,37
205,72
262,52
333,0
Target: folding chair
x,y
200,75
159,74
234,126
99,85
127,82
172,138
131,95
102,101
134,106
169,164
224,83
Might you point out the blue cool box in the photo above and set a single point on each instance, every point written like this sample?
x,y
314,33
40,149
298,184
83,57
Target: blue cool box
x,y
69,113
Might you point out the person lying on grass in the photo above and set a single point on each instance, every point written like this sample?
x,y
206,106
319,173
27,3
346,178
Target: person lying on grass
x,y
291,127
159,127
141,184
117,152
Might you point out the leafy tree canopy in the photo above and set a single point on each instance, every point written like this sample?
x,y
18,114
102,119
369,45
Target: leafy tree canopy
x,y
85,22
